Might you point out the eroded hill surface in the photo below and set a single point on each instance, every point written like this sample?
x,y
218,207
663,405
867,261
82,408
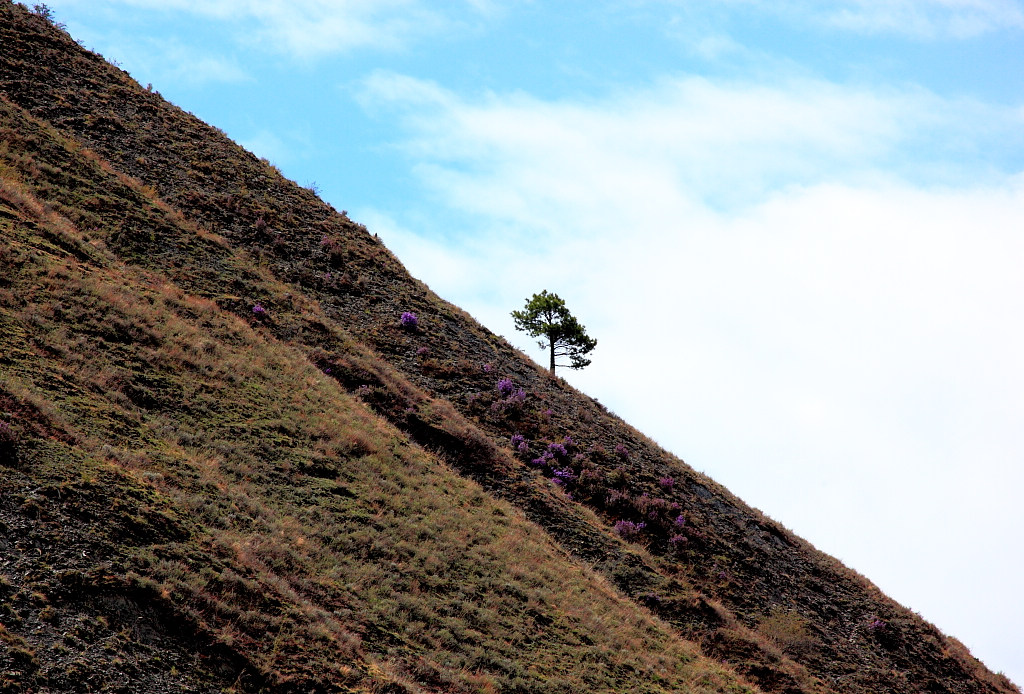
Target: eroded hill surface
x,y
225,464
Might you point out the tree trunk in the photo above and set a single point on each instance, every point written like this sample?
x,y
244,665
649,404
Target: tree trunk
x,y
551,344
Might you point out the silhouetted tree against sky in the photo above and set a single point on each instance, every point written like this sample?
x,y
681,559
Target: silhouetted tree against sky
x,y
545,315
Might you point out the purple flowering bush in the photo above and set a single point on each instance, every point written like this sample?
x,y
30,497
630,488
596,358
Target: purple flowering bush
x,y
409,321
520,444
511,398
259,311
565,474
629,531
544,460
558,450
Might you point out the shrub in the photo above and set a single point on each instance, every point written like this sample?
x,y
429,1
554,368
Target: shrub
x,y
512,398
335,249
616,499
666,483
621,451
629,531
651,508
786,628
565,475
884,633
259,311
558,450
409,321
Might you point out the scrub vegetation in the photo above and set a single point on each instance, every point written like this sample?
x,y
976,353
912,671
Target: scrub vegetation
x,y
241,449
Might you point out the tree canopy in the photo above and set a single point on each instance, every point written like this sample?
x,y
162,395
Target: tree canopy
x,y
545,315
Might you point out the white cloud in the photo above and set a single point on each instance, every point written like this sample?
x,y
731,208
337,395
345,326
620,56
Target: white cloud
x,y
683,140
316,28
926,18
919,19
781,295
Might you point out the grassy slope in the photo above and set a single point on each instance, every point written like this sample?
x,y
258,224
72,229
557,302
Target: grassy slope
x,y
788,617
179,463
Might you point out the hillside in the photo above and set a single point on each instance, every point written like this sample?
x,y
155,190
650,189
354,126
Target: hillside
x,y
225,465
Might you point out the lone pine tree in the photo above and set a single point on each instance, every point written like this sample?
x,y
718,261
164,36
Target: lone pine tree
x,y
546,315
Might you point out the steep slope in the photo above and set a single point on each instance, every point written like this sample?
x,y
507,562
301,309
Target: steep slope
x,y
190,504
167,213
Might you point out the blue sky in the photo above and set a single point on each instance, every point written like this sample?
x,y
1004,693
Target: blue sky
x,y
794,227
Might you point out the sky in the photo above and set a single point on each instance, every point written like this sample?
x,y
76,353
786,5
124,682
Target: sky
x,y
795,227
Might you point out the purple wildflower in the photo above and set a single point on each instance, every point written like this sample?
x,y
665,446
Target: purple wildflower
x,y
505,387
544,460
621,451
517,440
558,450
258,310
409,321
565,474
680,520
666,483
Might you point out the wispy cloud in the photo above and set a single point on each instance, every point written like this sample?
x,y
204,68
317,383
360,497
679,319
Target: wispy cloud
x,y
316,28
919,19
926,18
686,140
